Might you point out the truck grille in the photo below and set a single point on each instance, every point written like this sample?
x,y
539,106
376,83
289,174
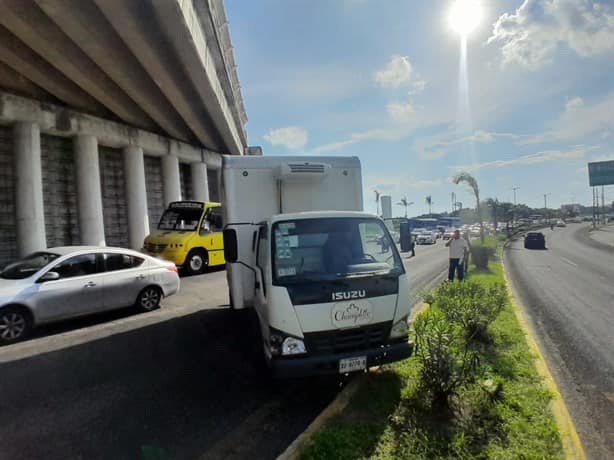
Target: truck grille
x,y
348,340
151,247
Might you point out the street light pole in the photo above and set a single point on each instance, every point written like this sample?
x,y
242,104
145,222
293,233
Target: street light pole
x,y
514,214
546,206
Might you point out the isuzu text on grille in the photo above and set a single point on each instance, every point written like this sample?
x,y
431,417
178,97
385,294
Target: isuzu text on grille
x,y
349,295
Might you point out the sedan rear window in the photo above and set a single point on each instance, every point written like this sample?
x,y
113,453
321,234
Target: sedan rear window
x,y
114,261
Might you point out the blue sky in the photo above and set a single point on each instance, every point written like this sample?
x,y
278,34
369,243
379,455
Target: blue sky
x,y
382,81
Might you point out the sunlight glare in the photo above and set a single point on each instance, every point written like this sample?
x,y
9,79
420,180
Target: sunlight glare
x,y
465,16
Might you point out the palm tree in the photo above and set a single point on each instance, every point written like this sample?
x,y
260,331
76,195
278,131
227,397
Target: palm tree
x,y
405,204
377,194
429,200
469,180
494,206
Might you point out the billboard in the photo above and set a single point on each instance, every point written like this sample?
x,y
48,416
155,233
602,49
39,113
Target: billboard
x,y
601,173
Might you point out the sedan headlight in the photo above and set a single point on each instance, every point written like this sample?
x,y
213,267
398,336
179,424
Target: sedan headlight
x,y
399,329
293,346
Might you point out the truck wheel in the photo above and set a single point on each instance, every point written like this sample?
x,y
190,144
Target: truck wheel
x,y
196,262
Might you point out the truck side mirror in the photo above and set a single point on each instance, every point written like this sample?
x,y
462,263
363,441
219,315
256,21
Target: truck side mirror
x,y
231,253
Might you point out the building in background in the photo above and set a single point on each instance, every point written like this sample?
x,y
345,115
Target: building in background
x,y
386,201
108,112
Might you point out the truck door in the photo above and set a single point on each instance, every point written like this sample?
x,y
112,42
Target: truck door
x,y
262,249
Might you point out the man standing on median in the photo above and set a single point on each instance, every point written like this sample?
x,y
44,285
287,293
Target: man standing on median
x,y
458,248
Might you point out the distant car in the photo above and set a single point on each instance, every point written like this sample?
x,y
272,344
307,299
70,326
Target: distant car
x,y
426,237
561,223
66,282
448,234
535,240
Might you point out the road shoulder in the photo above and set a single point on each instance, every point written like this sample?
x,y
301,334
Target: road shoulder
x,y
569,436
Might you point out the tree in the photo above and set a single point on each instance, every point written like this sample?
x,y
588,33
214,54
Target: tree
x,y
405,204
429,201
469,180
494,207
377,194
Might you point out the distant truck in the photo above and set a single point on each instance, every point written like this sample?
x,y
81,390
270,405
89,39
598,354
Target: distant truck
x,y
190,235
325,279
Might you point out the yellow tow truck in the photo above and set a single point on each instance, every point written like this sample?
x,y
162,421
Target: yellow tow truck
x,y
190,235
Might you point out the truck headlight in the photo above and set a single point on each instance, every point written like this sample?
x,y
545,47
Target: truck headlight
x,y
292,346
399,329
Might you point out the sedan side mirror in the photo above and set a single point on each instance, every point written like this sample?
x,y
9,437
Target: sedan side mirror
x,y
49,276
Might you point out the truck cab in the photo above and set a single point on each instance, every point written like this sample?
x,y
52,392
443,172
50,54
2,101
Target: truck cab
x,y
326,280
189,234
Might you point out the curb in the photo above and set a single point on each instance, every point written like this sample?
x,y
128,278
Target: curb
x,y
335,407
572,447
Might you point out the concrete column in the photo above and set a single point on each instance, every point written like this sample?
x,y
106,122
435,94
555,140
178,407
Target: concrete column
x,y
200,184
138,217
29,206
89,196
170,179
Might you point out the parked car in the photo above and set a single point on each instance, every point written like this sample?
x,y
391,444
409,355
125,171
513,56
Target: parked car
x,y
426,237
66,282
535,240
448,234
561,223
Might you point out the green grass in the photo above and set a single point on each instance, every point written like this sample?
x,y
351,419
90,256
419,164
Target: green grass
x,y
504,414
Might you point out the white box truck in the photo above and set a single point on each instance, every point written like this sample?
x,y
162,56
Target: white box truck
x,y
325,279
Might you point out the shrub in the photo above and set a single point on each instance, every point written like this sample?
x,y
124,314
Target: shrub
x,y
446,362
471,305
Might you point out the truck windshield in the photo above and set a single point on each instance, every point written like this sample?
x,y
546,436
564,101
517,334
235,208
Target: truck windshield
x,y
319,249
180,219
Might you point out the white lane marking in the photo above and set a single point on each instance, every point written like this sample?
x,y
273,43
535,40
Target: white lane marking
x,y
569,261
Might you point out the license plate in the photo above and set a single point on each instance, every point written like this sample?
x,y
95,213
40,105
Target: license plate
x,y
359,363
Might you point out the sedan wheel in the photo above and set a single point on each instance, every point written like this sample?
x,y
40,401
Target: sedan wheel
x,y
149,298
14,325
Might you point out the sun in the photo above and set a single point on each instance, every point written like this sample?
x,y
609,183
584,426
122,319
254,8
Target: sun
x,y
465,16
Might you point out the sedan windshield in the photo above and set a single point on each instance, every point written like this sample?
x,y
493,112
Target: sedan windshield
x,y
318,249
28,266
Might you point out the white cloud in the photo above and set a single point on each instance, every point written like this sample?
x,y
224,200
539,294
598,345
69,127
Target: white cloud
x,y
399,184
396,73
292,137
575,153
401,113
578,121
531,35
362,136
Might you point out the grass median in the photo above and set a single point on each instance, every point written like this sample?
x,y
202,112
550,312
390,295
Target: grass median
x,y
500,408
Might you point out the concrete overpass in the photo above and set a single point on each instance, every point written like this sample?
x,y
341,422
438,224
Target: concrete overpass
x,y
109,109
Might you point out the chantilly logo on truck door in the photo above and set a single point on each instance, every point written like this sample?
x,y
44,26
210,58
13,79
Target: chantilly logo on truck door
x,y
352,313
349,295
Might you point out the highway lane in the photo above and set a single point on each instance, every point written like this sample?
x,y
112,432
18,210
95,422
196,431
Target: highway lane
x,y
568,291
182,381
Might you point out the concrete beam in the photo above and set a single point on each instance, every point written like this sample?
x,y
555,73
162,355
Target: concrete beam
x,y
15,82
182,26
59,121
83,22
135,23
27,22
16,55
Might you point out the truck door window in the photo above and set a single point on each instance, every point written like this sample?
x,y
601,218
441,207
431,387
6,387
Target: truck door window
x,y
212,221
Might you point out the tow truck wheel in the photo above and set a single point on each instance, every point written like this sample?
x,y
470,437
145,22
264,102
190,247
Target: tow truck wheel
x,y
196,262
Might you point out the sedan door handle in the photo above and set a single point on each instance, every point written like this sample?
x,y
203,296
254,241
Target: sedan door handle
x,y
90,284
140,277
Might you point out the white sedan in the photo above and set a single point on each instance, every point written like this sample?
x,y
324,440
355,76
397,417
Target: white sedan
x,y
66,282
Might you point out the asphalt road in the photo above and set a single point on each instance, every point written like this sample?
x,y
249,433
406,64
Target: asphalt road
x,y
180,382
568,291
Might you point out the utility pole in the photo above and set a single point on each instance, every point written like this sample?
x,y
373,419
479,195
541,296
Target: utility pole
x,y
546,206
514,213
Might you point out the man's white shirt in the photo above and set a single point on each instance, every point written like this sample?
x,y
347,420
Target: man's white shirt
x,y
458,247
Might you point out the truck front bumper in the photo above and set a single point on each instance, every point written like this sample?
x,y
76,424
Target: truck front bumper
x,y
329,364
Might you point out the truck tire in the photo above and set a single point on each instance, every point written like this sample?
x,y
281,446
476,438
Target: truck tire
x,y
196,262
